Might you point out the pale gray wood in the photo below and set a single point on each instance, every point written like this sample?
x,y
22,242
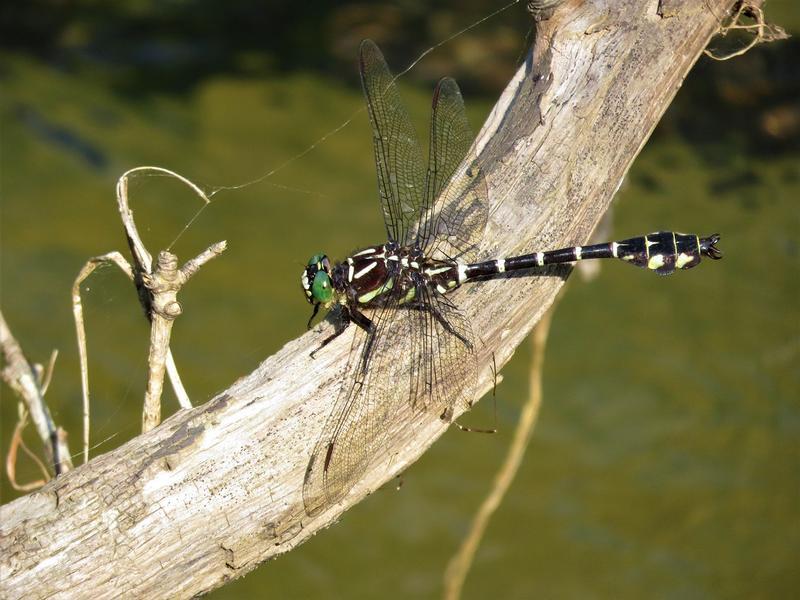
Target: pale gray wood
x,y
21,376
216,490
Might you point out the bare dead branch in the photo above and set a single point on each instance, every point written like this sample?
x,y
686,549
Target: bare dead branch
x,y
163,285
48,374
191,266
142,259
157,295
21,377
80,331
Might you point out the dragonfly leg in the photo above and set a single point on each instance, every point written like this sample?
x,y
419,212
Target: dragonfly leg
x,y
439,317
313,314
367,325
361,320
342,324
446,324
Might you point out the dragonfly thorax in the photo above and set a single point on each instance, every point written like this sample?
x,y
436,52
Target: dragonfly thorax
x,y
372,275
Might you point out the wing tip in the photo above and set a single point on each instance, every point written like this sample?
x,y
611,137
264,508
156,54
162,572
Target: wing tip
x,y
368,51
445,87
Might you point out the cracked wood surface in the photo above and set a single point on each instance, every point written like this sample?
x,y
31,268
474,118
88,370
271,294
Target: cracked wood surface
x,y
216,490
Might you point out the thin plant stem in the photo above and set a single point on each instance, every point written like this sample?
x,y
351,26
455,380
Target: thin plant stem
x,y
460,564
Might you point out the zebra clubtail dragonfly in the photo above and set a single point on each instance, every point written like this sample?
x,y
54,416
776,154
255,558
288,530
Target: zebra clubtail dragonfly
x,y
416,351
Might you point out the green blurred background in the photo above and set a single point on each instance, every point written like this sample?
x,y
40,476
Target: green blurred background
x,y
666,459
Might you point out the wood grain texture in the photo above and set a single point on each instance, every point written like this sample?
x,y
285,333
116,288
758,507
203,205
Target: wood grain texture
x,y
216,490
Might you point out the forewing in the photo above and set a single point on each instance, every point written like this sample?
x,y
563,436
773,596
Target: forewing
x,y
398,159
454,213
450,139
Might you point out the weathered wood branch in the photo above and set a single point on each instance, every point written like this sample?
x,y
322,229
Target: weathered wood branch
x,y
216,490
162,285
20,376
142,268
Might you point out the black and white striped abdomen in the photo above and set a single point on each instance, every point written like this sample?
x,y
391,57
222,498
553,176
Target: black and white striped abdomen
x,y
662,252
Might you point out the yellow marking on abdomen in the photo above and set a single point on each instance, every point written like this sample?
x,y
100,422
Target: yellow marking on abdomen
x,y
656,261
683,259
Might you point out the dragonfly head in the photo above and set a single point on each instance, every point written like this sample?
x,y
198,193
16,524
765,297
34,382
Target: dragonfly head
x,y
317,282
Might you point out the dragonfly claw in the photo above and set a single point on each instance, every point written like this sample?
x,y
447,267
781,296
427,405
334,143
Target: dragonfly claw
x,y
708,248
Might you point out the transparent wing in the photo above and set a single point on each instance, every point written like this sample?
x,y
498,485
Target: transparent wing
x,y
419,367
347,442
398,159
454,214
445,375
459,218
450,139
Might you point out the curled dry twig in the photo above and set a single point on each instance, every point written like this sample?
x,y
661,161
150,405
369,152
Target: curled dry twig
x,y
11,458
80,330
157,290
762,31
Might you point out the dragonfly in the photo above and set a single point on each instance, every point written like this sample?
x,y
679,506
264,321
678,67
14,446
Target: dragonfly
x,y
414,351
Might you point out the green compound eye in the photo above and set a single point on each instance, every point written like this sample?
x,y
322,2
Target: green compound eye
x,y
315,259
321,289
